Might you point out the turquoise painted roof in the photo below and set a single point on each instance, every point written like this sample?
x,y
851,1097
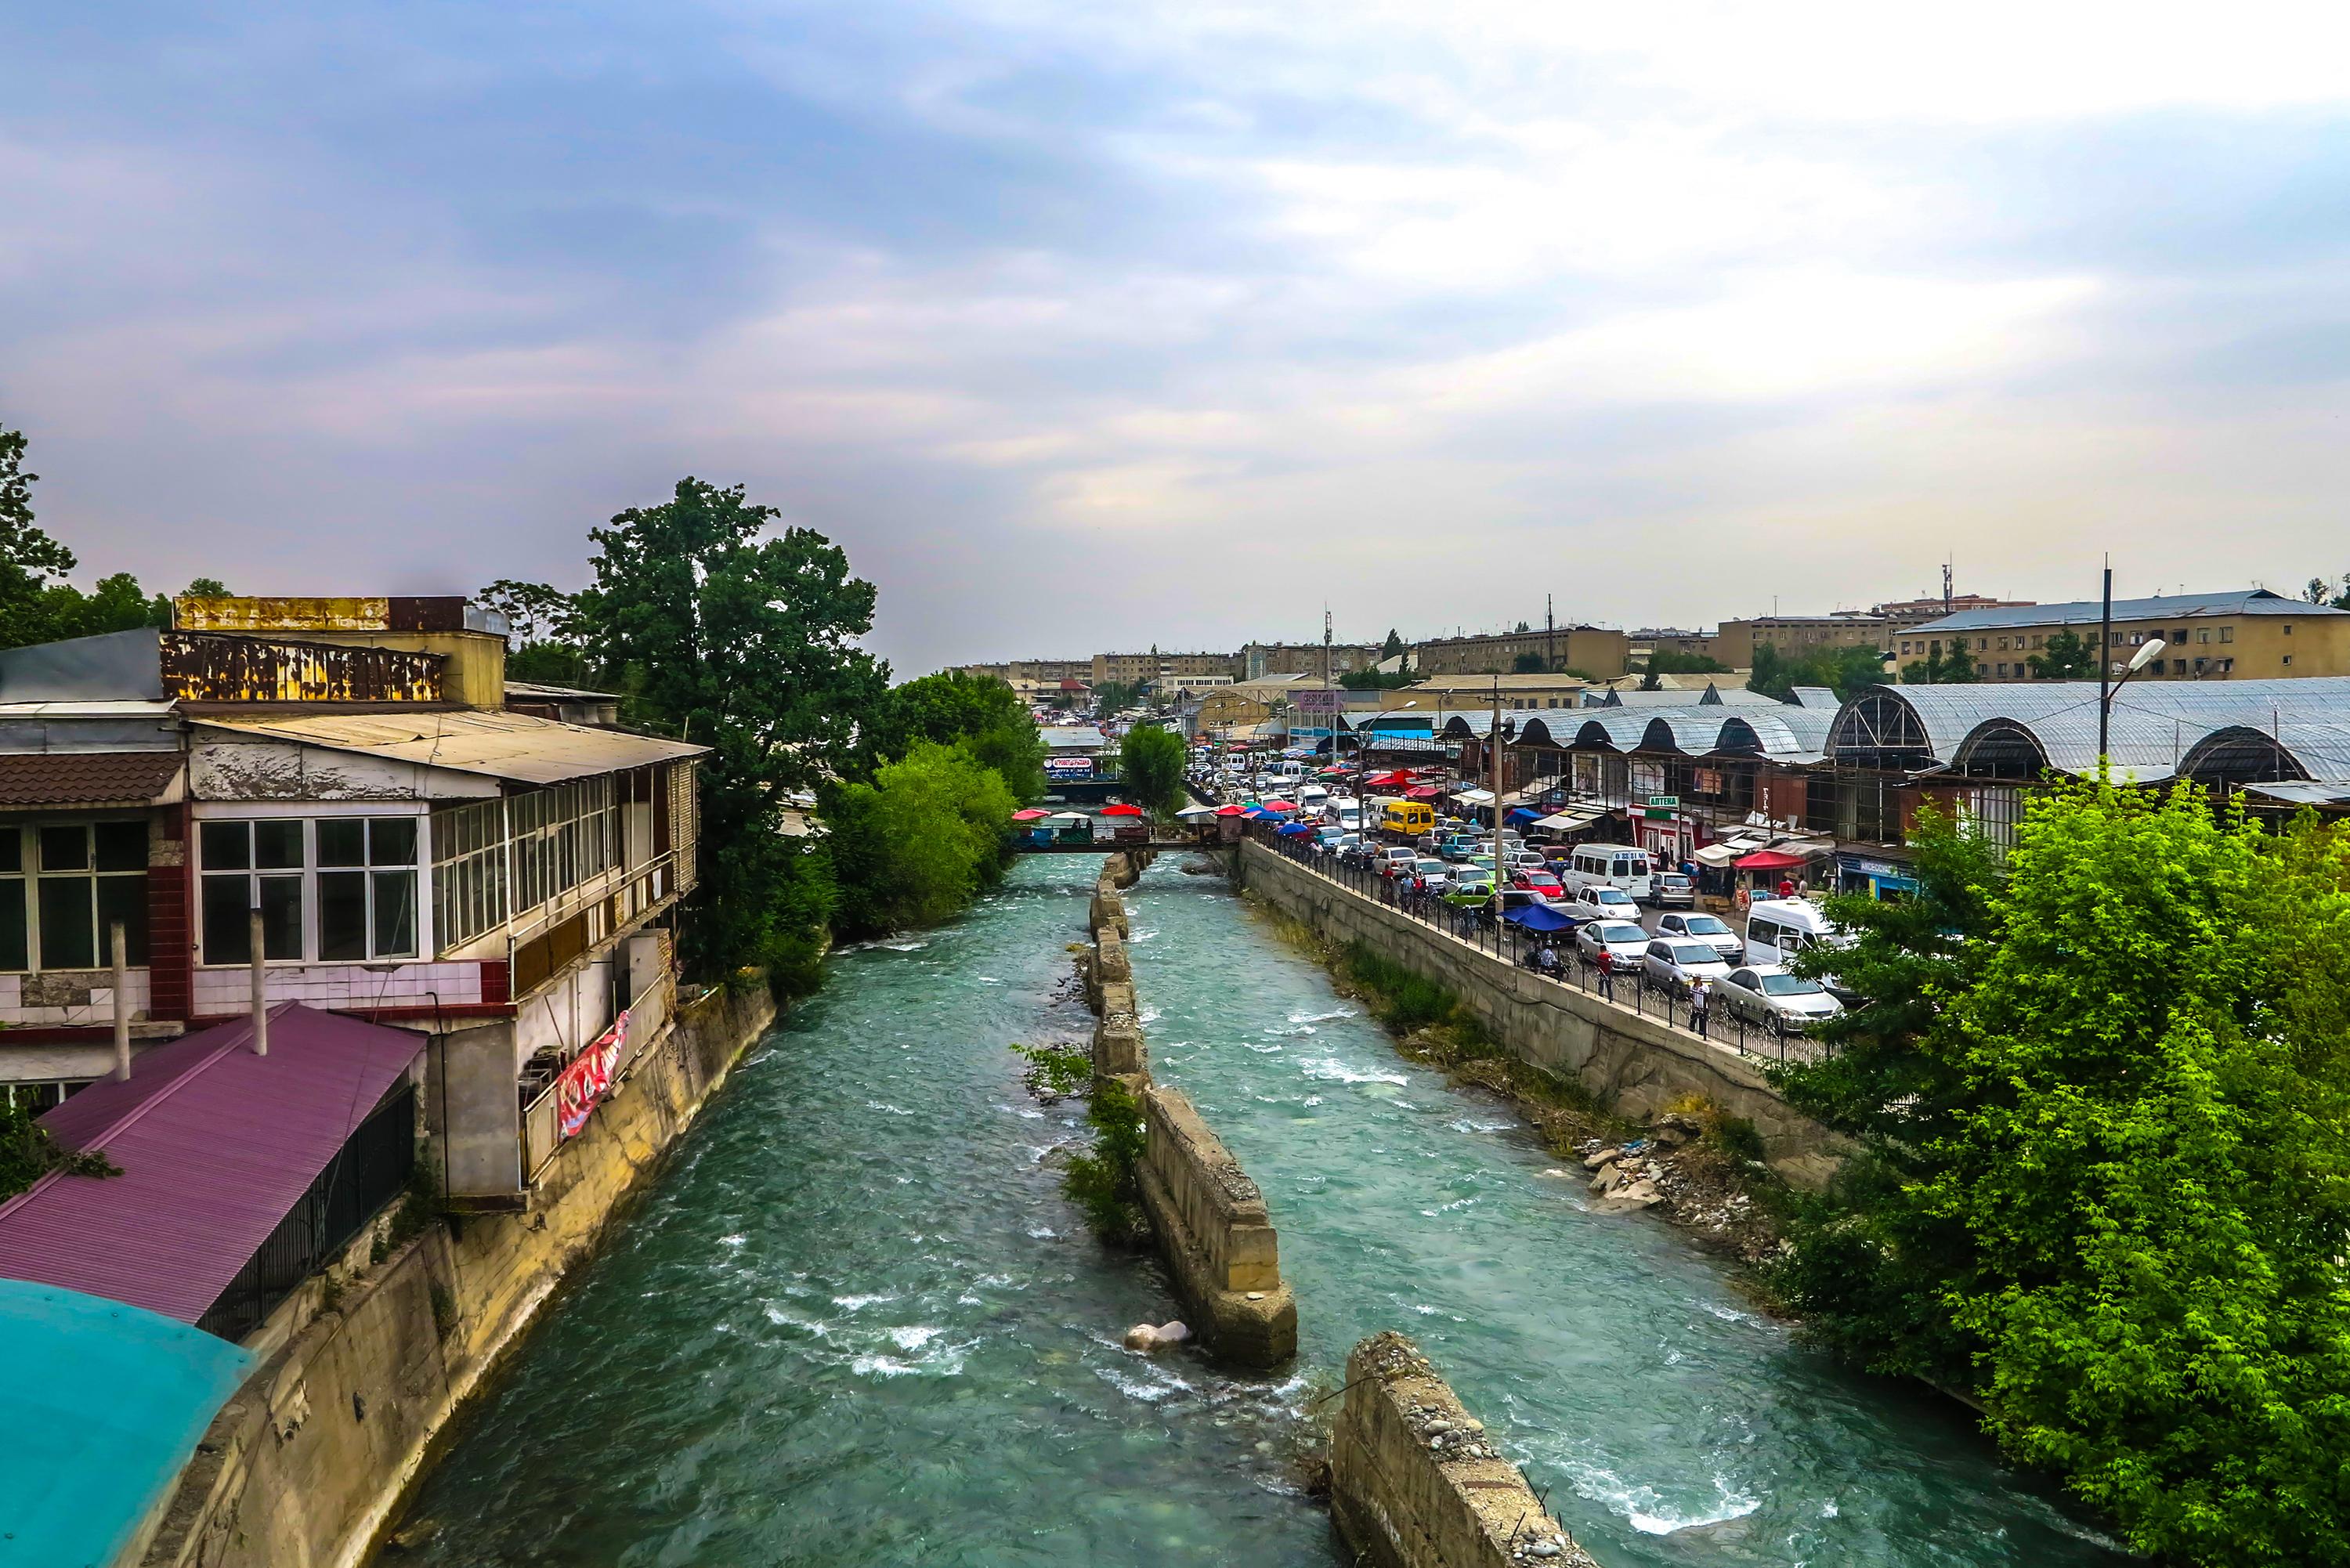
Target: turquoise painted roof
x,y
107,1402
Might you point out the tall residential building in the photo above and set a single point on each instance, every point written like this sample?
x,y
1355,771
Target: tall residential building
x,y
1141,669
1261,659
2247,634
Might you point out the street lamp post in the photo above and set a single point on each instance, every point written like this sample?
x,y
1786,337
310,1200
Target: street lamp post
x,y
2108,689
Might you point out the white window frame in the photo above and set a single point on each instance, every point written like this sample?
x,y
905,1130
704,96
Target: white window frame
x,y
308,814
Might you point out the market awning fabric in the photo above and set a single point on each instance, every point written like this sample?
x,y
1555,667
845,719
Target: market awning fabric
x,y
1121,811
1717,853
1520,814
1422,792
1569,821
1034,813
1230,811
1280,806
1293,829
1539,918
1200,811
1473,796
1771,860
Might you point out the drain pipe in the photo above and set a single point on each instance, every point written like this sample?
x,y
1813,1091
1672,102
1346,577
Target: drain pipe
x,y
260,986
121,1005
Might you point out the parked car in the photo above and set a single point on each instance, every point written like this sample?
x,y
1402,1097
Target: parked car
x,y
1542,884
1766,995
1516,899
1624,938
1671,890
1778,928
1397,860
1358,853
1599,901
1704,929
1430,875
1468,892
1674,966
1616,865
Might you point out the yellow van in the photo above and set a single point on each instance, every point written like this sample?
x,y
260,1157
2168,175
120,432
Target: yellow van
x,y
1410,817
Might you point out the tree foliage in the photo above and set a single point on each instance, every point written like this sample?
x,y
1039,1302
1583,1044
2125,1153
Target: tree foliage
x,y
915,845
2067,657
1845,669
1391,646
744,639
1116,696
1376,680
36,603
1673,662
1948,666
2335,594
982,713
2105,1188
1150,769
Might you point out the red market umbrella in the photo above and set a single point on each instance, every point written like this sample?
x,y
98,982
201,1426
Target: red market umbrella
x,y
1422,792
1034,813
1280,806
1121,811
1229,810
1771,860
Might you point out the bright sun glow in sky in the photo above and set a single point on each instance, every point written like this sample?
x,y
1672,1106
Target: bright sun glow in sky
x,y
1091,326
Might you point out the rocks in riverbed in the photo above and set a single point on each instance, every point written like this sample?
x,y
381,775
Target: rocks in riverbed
x,y
1157,1337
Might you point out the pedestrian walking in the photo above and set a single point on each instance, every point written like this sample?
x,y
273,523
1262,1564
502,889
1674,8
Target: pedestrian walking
x,y
1607,974
1700,996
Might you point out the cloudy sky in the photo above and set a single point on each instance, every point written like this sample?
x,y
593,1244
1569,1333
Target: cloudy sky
x,y
1097,325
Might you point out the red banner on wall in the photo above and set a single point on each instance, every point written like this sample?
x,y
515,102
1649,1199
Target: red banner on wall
x,y
582,1085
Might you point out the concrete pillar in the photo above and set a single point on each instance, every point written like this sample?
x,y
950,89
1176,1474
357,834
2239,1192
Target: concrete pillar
x,y
481,1116
116,938
260,988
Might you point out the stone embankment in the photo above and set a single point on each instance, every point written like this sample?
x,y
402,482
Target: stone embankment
x,y
1415,1484
306,1464
1208,1218
1637,1067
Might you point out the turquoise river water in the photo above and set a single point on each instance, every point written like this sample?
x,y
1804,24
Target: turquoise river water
x,y
857,1323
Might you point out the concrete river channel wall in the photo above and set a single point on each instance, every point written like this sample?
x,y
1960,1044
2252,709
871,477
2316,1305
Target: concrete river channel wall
x,y
1413,1484
307,1462
1634,1065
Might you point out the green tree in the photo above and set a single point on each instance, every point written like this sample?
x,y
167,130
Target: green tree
x,y
2322,592
982,713
1115,697
743,639
1392,646
2067,657
36,604
1941,667
1845,671
1528,663
2118,1197
916,845
1150,769
1673,662
545,637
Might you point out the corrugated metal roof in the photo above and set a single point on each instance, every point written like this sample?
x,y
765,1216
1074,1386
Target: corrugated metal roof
x,y
1819,697
516,746
2298,792
89,779
2087,612
215,1144
1071,736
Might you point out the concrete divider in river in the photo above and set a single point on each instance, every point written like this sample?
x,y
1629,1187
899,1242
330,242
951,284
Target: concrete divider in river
x,y
1415,1484
1636,1066
1208,1217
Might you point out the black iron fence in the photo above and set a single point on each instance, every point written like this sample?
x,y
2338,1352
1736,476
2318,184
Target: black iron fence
x,y
1626,985
374,1163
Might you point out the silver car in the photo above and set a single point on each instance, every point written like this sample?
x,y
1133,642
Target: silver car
x,y
1622,939
1674,966
1767,995
1710,930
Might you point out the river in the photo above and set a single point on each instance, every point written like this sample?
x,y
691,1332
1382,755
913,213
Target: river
x,y
855,1322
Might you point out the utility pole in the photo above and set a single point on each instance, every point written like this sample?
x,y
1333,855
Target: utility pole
x,y
2105,669
1946,584
1550,638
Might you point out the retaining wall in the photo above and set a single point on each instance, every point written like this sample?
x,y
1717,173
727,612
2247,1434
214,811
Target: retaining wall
x,y
1414,1484
303,1467
1636,1066
1208,1217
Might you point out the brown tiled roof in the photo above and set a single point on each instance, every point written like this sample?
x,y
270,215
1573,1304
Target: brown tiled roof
x,y
84,778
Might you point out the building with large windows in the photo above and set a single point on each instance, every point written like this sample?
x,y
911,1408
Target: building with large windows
x,y
498,882
2247,635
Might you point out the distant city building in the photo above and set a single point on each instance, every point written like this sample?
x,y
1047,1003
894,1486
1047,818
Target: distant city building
x,y
1472,691
1951,606
1735,642
1259,659
2247,634
1598,651
1142,668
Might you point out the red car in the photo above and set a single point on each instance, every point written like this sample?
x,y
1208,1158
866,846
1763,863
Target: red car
x,y
1540,883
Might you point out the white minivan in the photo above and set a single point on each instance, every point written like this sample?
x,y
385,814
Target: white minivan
x,y
1778,928
1618,866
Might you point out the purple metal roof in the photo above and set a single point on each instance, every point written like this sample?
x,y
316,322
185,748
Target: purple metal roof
x,y
215,1144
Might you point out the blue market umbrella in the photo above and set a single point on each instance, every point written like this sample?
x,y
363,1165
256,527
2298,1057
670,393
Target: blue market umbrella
x,y
1291,829
1540,918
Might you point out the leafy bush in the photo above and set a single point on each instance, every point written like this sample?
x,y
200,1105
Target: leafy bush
x,y
1151,768
917,844
27,1153
1056,1072
1101,1181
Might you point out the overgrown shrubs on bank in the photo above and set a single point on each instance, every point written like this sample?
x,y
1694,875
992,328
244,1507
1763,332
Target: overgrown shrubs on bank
x,y
1101,1178
916,845
27,1153
2106,1189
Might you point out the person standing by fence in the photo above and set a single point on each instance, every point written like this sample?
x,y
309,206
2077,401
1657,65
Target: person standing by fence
x,y
1607,974
1701,995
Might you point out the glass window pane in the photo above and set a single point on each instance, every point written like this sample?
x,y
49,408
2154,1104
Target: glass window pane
x,y
65,849
281,916
227,846
122,845
122,898
395,914
226,940
276,844
68,935
12,856
391,841
13,953
342,912
342,841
